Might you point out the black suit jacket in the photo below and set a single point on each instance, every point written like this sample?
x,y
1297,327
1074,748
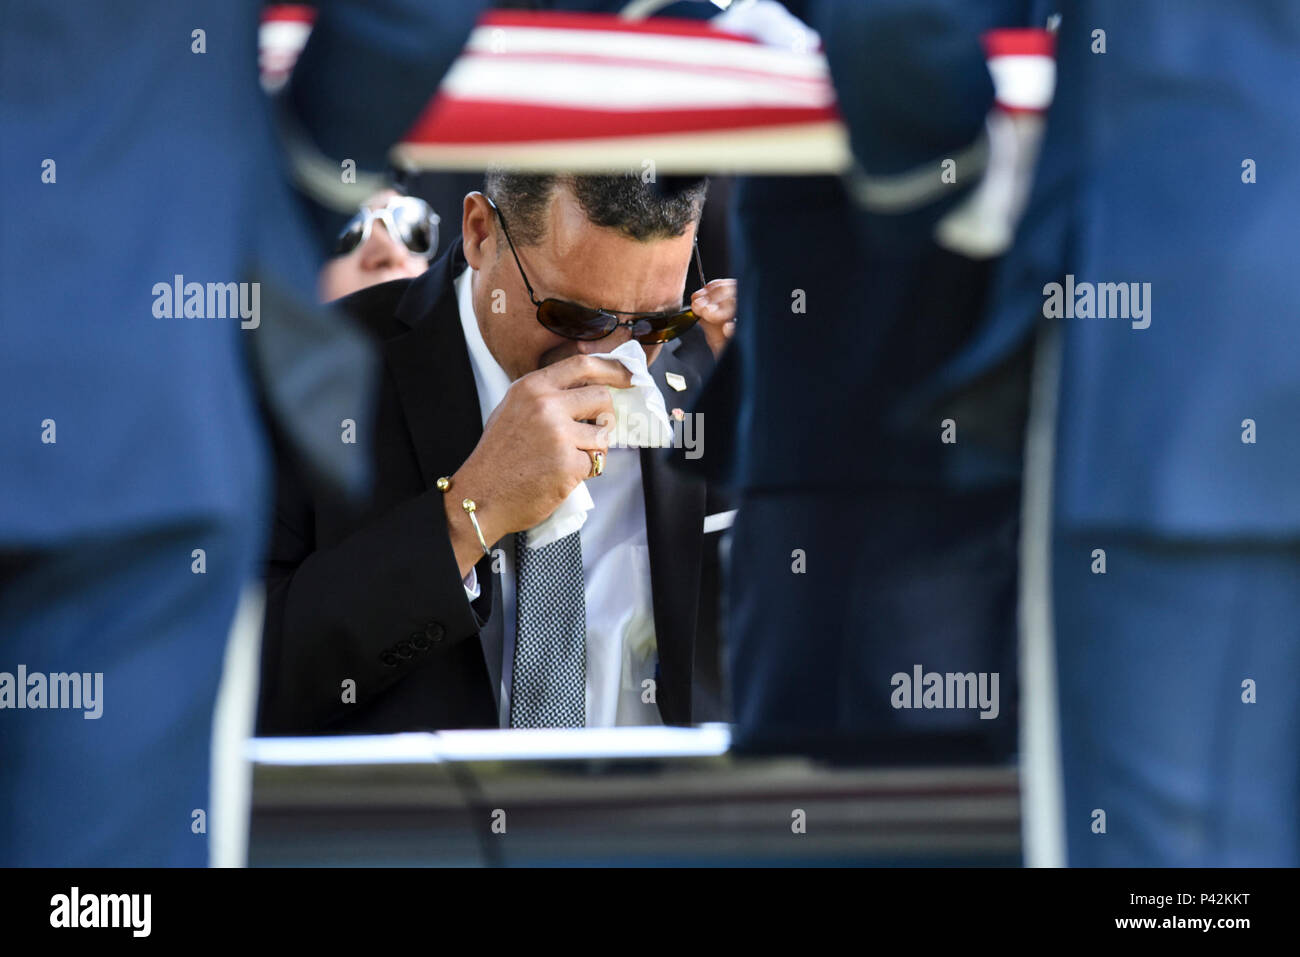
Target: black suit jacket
x,y
377,597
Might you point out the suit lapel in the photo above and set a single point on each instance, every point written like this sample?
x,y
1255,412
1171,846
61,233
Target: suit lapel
x,y
434,379
674,504
431,370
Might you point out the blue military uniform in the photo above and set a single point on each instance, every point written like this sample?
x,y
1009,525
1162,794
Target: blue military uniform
x,y
1170,160
137,146
854,557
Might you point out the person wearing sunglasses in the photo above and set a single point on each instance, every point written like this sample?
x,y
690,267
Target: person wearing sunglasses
x,y
434,603
392,236
585,323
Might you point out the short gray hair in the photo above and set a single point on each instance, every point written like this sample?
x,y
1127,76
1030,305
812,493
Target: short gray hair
x,y
624,202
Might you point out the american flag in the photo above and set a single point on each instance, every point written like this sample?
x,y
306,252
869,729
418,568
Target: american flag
x,y
577,91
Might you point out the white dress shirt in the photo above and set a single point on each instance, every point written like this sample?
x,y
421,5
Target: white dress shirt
x,y
621,648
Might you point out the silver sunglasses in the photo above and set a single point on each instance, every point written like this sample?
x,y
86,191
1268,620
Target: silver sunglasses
x,y
407,218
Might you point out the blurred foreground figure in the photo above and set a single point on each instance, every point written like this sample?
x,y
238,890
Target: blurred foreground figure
x,y
1173,505
861,568
134,485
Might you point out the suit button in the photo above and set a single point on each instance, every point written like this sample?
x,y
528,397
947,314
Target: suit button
x,y
389,659
403,649
419,642
434,632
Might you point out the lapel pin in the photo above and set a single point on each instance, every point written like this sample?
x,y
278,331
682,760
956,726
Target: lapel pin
x,y
676,382
678,414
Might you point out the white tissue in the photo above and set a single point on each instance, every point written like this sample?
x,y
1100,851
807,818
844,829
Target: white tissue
x,y
565,520
640,421
640,418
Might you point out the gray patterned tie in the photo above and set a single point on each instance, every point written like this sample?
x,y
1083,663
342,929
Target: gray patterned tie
x,y
549,686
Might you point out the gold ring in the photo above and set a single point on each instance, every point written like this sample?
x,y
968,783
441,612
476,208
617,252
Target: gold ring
x,y
597,464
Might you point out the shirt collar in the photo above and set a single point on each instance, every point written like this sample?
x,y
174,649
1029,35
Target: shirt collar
x,y
490,379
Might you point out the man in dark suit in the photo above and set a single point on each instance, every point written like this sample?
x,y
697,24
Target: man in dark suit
x,y
421,614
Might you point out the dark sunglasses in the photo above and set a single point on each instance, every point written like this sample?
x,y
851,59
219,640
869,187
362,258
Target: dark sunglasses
x,y
407,218
573,321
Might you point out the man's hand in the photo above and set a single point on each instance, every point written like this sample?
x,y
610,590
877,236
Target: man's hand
x,y
535,449
715,304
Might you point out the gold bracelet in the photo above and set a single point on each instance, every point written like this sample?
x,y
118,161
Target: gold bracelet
x,y
444,485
